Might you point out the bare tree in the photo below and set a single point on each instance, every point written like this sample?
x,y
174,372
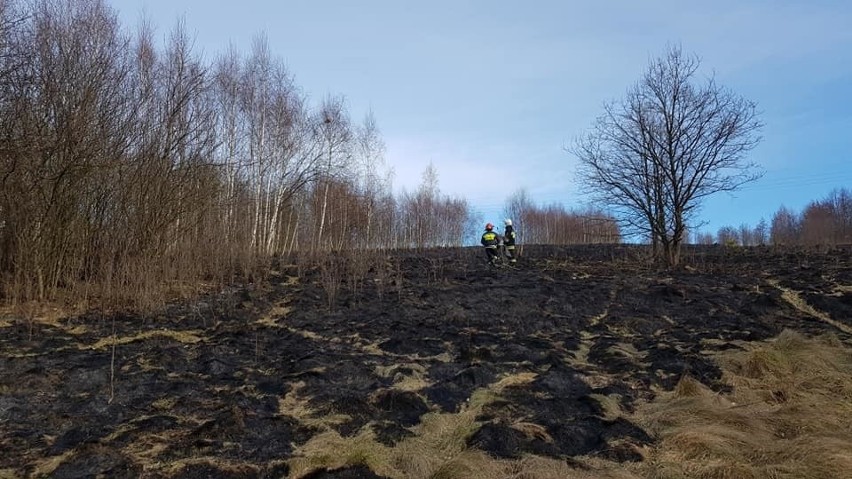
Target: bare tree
x,y
822,222
334,128
746,235
656,154
827,221
370,181
703,238
840,201
785,227
65,127
517,208
128,167
555,224
728,236
818,224
761,233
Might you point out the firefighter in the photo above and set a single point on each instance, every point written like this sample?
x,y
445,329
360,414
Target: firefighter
x,y
491,242
509,242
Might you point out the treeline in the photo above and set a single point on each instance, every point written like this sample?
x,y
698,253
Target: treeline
x,y
557,225
126,165
129,165
825,222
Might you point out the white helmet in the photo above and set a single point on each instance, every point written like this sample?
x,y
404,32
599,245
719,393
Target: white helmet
x,y
508,222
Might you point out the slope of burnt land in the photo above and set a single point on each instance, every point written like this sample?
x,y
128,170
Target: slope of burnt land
x,y
231,385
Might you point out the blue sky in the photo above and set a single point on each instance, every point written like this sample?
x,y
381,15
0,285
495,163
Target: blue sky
x,y
491,91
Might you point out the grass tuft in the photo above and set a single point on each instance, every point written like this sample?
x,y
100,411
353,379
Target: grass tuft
x,y
689,387
789,415
185,337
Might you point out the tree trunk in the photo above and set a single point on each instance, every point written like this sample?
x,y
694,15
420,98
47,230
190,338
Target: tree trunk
x,y
671,250
322,214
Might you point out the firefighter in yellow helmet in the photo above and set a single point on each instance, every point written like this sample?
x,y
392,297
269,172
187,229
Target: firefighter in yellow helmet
x,y
491,242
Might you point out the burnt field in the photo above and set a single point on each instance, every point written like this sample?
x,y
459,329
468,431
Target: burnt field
x,y
419,365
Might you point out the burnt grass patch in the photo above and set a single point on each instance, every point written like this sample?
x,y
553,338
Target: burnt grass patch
x,y
248,375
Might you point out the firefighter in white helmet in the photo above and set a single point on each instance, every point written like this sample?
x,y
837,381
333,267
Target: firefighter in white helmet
x,y
509,242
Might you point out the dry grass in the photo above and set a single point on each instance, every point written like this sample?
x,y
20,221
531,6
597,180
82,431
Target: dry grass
x,y
594,321
581,354
438,448
48,313
146,450
841,289
533,431
76,330
790,415
610,404
297,406
629,352
795,300
185,337
513,380
329,450
45,467
165,403
232,469
270,320
403,380
305,333
537,467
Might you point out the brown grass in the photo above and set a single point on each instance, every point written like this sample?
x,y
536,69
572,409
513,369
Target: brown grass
x,y
186,337
404,381
789,416
297,406
44,313
270,319
533,431
795,300
232,469
329,450
45,467
537,467
438,448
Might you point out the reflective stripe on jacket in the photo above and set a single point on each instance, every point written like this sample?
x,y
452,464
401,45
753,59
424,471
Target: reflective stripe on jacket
x,y
509,239
490,239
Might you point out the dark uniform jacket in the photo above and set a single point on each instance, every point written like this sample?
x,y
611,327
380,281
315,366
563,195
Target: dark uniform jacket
x,y
490,239
509,236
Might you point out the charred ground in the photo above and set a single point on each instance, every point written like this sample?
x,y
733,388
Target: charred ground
x,y
233,384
